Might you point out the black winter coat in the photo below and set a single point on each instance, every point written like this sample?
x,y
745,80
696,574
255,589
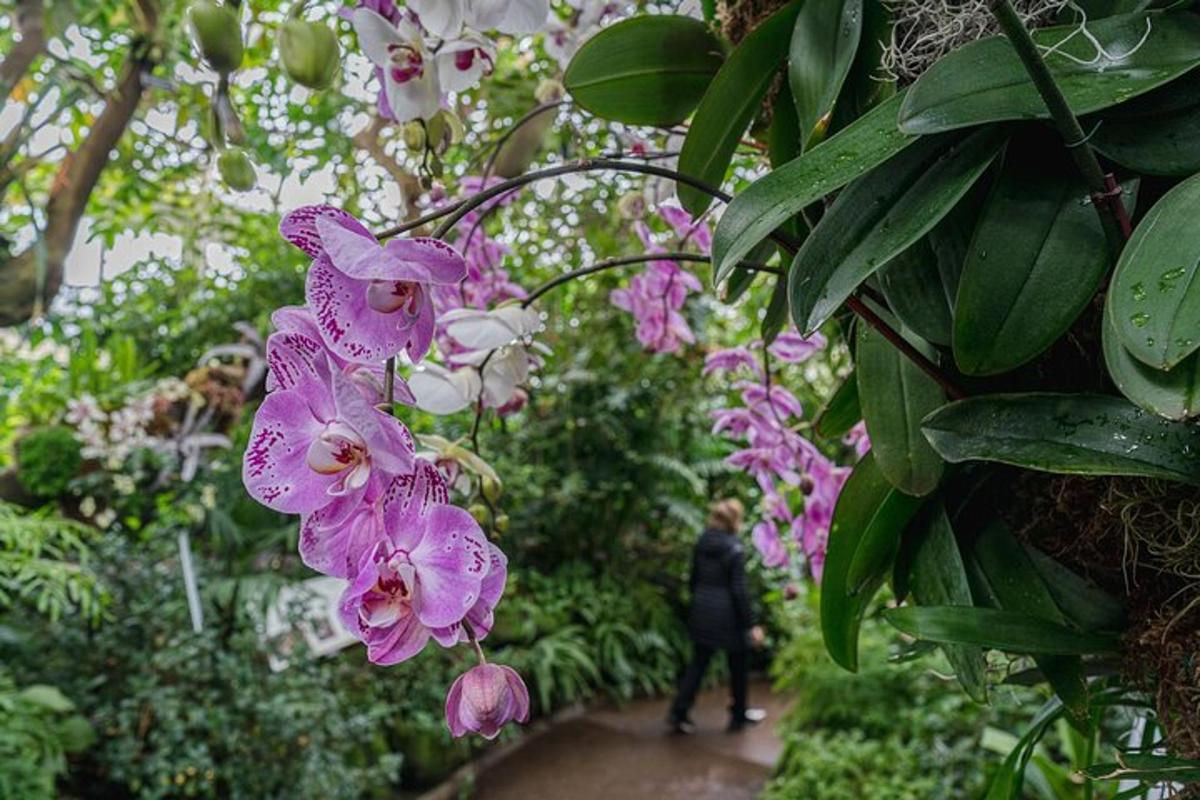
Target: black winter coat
x,y
720,615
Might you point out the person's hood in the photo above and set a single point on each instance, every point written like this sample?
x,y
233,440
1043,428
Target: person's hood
x,y
716,543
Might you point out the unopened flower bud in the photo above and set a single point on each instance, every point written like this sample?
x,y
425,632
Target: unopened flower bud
x,y
444,129
491,489
549,91
217,34
236,170
481,514
501,525
632,205
413,134
309,52
484,699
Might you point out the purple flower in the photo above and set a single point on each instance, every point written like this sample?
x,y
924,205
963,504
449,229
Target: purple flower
x,y
333,542
370,302
857,438
291,350
792,348
316,440
424,573
769,544
484,699
730,360
481,617
685,228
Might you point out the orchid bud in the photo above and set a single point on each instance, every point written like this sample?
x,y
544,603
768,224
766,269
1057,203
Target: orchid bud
x,y
484,699
444,129
632,205
309,52
491,489
217,34
413,134
549,91
501,525
481,514
236,170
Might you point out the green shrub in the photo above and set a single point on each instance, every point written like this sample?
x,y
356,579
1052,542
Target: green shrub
x,y
38,728
47,459
829,765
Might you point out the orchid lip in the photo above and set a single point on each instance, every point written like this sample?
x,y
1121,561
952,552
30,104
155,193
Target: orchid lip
x,y
338,448
389,296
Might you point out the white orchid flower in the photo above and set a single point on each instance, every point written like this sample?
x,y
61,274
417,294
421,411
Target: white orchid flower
x,y
410,77
508,16
463,62
442,391
442,18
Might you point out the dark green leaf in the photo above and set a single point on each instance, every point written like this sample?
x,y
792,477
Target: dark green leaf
x,y
992,628
1010,777
895,395
1017,587
783,136
984,81
841,412
1036,260
1077,434
940,579
1174,394
879,215
776,316
1085,604
1155,293
868,509
730,104
1157,133
780,195
647,70
912,284
824,41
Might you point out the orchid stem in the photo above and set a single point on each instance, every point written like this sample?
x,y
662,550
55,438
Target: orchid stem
x,y
626,261
389,383
474,642
1105,192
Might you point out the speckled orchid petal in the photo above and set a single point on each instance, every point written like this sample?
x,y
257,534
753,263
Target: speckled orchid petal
x,y
350,327
334,546
275,467
451,561
482,615
299,227
441,262
397,634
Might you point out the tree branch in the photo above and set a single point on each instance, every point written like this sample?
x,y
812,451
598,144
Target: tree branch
x,y
29,21
369,142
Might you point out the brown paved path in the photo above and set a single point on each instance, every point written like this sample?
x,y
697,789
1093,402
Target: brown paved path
x,y
624,754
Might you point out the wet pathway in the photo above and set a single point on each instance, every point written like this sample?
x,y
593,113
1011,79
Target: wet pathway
x,y
625,754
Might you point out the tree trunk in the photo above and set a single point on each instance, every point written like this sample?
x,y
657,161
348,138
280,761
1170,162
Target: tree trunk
x,y
77,177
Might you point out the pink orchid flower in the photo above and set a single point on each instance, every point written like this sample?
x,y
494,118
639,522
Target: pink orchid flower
x,y
318,441
297,338
792,348
481,617
484,699
370,301
731,360
769,544
334,543
424,573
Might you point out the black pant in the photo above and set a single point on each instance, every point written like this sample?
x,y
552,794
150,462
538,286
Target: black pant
x,y
689,684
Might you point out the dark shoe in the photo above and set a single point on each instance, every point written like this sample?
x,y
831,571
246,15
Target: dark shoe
x,y
751,716
683,727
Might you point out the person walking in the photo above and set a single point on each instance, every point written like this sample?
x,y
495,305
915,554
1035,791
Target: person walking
x,y
719,617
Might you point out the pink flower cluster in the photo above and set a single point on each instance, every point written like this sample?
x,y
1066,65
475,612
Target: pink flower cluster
x,y
655,296
800,485
372,512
